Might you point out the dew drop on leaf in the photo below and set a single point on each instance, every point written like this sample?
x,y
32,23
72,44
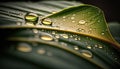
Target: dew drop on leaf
x,y
86,53
35,31
89,47
64,35
46,37
82,22
76,48
24,47
47,21
41,51
31,17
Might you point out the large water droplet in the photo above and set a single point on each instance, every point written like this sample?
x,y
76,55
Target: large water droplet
x,y
24,47
47,21
64,35
35,30
76,48
82,22
31,17
41,51
46,37
86,53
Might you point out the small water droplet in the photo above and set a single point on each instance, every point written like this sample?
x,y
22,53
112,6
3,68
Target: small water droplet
x,y
64,16
102,33
76,38
73,21
86,53
46,37
63,43
47,21
80,30
53,12
31,17
72,18
35,30
41,51
19,23
29,23
76,48
100,46
89,47
57,36
82,22
24,47
53,32
96,45
73,14
64,35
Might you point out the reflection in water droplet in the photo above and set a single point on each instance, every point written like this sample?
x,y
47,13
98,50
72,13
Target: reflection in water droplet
x,y
41,51
35,30
24,47
72,17
47,21
31,17
46,37
86,53
64,35
89,47
76,48
82,22
29,23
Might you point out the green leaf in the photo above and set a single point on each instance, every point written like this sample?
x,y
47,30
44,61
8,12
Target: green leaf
x,y
84,19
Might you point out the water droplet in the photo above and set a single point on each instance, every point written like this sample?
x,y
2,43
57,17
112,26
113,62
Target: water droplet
x,y
89,47
24,47
76,47
80,30
102,33
29,23
19,23
96,45
57,36
46,37
76,38
73,21
64,16
82,22
64,35
53,12
64,44
47,21
35,30
100,46
41,51
31,17
73,14
53,32
72,17
86,53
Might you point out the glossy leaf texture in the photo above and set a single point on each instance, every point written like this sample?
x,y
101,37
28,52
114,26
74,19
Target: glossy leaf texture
x,y
34,36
